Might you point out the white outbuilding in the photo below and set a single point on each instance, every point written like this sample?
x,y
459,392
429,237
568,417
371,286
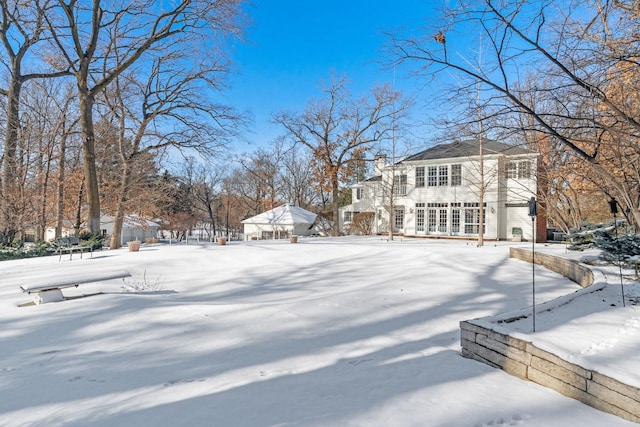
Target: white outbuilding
x,y
279,223
133,228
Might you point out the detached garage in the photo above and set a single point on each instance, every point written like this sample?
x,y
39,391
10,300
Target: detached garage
x,y
279,223
133,228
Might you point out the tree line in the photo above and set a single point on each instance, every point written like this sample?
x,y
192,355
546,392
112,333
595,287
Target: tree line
x,y
560,77
98,97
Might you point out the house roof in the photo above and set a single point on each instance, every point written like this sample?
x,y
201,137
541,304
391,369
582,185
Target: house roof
x,y
130,221
467,148
285,214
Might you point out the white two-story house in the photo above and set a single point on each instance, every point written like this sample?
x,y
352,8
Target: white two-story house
x,y
436,193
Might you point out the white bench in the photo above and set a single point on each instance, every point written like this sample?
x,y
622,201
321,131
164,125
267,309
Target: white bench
x,y
50,289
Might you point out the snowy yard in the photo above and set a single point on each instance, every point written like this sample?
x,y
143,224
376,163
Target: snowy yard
x,y
326,332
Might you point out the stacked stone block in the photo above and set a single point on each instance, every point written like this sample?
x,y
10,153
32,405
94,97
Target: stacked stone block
x,y
522,359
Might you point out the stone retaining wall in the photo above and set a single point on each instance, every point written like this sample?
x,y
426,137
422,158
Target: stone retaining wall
x,y
571,269
521,358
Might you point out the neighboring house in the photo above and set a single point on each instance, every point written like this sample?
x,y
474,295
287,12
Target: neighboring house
x,y
68,230
279,223
133,228
436,193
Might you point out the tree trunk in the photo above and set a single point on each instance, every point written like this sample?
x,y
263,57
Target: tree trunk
x,y
60,186
43,196
336,207
79,210
116,235
8,228
391,210
481,195
89,161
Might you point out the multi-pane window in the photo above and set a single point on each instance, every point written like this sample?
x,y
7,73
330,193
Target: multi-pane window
x,y
431,220
455,217
520,169
437,217
442,222
348,216
472,218
443,176
400,185
359,193
524,170
456,175
420,176
419,216
398,219
432,175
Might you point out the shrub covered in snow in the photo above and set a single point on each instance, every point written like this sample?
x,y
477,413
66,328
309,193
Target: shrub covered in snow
x,y
615,244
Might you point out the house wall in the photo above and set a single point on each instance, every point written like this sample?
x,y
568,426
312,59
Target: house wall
x,y
367,203
448,195
277,231
505,199
302,229
138,233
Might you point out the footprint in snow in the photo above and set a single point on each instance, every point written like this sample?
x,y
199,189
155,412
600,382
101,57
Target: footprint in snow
x,y
631,327
181,381
514,420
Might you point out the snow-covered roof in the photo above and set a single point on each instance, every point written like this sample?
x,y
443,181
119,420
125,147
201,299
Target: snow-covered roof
x,y
285,215
130,221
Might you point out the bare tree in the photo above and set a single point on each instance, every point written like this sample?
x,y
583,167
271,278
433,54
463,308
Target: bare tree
x,y
21,29
84,35
579,56
340,129
257,181
296,176
171,97
48,124
206,185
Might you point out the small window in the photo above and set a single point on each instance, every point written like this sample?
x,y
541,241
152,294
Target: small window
x,y
419,216
420,220
524,170
432,176
398,219
443,176
455,218
359,193
431,217
420,176
400,185
456,175
519,169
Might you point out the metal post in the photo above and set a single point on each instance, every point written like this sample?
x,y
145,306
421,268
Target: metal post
x,y
613,206
533,211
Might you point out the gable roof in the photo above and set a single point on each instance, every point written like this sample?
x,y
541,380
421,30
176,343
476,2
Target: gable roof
x,y
285,214
129,221
467,148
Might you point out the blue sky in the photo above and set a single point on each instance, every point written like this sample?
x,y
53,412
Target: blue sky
x,y
293,44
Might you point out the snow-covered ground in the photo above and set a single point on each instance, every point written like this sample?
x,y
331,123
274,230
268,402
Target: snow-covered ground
x,y
326,332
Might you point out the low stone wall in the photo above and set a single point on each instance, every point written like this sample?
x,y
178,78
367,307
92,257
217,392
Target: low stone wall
x,y
571,269
521,358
